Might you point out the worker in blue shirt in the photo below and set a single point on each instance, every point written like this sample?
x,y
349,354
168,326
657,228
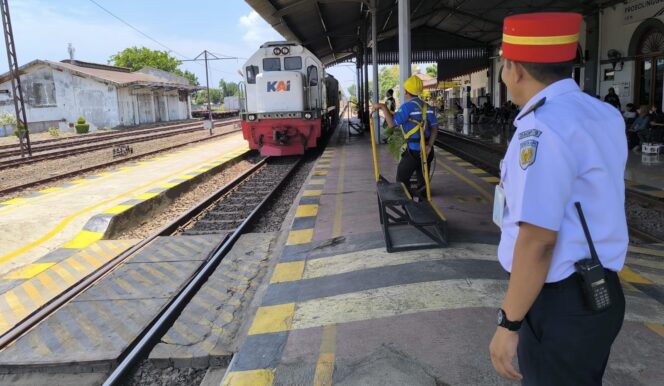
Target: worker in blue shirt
x,y
411,115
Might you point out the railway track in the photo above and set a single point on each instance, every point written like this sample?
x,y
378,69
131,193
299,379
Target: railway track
x,y
645,214
106,142
15,188
254,188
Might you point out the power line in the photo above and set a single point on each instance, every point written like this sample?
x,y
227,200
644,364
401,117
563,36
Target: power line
x,y
150,37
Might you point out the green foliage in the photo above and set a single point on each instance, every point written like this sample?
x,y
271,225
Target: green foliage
x,y
395,141
193,79
352,90
7,119
54,131
229,88
136,58
20,130
432,70
215,96
388,77
81,126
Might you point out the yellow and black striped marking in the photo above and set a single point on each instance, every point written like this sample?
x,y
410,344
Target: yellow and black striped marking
x,y
269,330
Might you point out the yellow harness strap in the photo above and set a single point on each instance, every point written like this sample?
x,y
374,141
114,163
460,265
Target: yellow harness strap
x,y
418,124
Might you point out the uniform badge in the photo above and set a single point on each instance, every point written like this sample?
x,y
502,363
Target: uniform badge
x,y
529,133
528,153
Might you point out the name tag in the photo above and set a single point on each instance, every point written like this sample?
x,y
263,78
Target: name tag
x,y
498,206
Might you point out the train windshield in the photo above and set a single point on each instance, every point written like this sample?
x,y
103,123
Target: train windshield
x,y
292,63
271,64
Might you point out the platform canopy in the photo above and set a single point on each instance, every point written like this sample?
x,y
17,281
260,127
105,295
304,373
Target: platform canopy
x,y
334,30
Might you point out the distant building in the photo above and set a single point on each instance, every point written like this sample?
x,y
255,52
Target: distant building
x,y
57,93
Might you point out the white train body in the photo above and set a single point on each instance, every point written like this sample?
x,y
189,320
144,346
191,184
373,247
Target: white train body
x,y
285,109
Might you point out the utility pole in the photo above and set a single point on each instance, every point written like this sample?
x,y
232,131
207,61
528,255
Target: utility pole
x,y
17,92
207,55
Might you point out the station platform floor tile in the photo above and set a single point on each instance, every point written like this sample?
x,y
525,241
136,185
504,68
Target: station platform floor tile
x,y
39,223
338,309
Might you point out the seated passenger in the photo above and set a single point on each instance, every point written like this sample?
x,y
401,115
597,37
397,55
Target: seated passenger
x,y
630,114
641,127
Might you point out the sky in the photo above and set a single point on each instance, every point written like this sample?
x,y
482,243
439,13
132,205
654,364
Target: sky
x,y
44,28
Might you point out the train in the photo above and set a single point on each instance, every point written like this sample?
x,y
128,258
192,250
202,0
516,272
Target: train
x,y
289,100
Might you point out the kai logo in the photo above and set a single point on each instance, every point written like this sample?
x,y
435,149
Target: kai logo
x,y
278,86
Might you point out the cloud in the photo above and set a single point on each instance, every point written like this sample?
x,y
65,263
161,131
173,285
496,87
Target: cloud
x,y
256,30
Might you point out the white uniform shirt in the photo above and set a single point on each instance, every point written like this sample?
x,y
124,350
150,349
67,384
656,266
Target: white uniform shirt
x,y
570,148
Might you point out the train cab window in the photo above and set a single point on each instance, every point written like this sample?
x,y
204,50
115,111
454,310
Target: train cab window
x,y
271,64
251,72
292,63
312,75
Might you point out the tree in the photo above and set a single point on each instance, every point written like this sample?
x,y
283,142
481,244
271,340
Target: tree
x,y
135,58
229,88
388,77
193,79
352,90
215,96
432,70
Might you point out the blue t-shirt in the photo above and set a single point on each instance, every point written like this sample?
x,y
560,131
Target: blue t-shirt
x,y
411,110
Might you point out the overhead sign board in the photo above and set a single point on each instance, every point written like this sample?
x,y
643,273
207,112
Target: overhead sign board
x,y
637,10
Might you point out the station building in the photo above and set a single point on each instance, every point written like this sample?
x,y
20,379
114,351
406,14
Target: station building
x,y
57,93
620,46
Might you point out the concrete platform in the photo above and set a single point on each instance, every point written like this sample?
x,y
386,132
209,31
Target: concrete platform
x,y
78,213
643,173
340,310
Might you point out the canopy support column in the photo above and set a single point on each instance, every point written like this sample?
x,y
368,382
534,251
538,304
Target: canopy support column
x,y
404,45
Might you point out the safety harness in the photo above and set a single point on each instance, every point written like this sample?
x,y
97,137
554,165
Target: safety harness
x,y
418,125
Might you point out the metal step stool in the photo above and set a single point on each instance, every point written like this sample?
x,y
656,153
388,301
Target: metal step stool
x,y
408,225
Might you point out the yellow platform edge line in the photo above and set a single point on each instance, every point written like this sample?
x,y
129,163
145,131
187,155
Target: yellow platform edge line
x,y
284,272
309,193
270,319
83,239
301,236
307,210
260,377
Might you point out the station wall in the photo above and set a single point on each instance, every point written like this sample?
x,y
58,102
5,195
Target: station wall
x,y
56,98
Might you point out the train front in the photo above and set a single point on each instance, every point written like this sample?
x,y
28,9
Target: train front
x,y
283,100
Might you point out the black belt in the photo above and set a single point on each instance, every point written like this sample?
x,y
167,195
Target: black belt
x,y
573,280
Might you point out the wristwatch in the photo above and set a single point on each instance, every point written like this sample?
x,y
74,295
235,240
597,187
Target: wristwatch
x,y
508,324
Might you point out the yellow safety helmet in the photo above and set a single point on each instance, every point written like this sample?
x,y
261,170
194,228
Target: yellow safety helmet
x,y
413,85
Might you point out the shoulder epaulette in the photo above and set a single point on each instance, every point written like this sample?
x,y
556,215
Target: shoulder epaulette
x,y
534,107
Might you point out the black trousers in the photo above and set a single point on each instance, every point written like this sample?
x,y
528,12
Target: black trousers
x,y
561,342
410,162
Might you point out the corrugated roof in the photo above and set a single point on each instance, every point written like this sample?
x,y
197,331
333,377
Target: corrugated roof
x,y
119,78
336,30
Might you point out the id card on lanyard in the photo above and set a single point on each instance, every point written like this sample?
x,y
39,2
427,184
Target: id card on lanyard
x,y
499,201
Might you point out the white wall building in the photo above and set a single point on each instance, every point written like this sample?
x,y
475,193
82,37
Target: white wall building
x,y
633,33
57,93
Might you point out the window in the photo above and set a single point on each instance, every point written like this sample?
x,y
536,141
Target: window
x,y
251,73
292,63
271,64
312,75
43,94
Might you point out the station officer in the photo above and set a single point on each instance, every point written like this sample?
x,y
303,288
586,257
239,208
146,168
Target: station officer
x,y
413,113
568,147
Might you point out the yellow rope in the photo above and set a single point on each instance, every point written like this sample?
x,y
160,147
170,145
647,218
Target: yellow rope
x,y
373,145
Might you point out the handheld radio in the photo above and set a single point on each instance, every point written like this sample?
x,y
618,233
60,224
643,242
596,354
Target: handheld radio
x,y
591,272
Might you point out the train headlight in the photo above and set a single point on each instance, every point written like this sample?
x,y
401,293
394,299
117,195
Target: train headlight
x,y
277,51
251,117
285,50
307,115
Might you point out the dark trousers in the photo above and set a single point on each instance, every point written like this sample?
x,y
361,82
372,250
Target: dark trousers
x,y
410,162
561,342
